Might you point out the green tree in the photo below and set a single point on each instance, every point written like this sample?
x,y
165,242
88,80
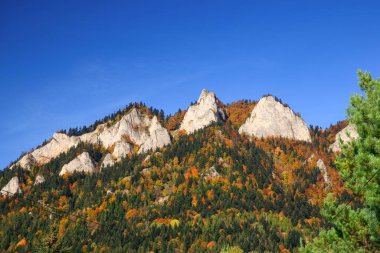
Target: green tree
x,y
357,230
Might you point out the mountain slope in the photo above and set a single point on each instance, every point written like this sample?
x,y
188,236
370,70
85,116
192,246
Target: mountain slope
x,y
206,190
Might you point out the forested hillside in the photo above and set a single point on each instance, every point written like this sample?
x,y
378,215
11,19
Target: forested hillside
x,y
206,191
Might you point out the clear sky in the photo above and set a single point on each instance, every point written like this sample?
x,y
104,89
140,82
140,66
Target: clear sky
x,y
67,63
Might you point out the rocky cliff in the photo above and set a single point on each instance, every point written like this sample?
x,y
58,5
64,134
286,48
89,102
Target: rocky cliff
x,y
271,118
11,188
157,137
133,128
206,111
60,143
82,162
346,135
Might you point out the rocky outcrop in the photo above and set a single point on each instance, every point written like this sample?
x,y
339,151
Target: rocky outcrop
x,y
206,111
271,118
39,180
82,162
121,150
322,168
107,161
211,173
346,135
60,143
27,161
12,187
133,128
158,136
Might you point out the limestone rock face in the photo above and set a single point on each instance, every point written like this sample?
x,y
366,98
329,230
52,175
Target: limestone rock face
x,y
137,128
107,161
272,118
121,150
132,128
27,161
347,134
11,188
158,137
322,167
39,180
82,162
60,143
203,113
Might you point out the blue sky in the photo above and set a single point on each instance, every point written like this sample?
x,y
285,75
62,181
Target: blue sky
x,y
67,63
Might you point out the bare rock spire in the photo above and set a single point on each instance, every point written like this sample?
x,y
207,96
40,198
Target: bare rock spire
x,y
271,118
202,114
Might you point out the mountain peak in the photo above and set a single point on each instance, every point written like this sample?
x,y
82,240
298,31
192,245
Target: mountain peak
x,y
206,111
204,94
271,117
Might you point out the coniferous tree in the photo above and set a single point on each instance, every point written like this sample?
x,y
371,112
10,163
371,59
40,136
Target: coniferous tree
x,y
357,230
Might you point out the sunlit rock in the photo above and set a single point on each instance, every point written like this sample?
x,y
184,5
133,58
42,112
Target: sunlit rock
x,y
271,118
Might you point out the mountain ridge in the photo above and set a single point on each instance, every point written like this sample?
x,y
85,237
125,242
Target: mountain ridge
x,y
174,195
215,110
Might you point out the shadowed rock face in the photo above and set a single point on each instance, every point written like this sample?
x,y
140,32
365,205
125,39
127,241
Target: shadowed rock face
x,y
347,134
203,113
82,162
271,118
139,129
11,188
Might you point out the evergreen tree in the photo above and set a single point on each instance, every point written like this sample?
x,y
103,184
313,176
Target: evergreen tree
x,y
357,230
